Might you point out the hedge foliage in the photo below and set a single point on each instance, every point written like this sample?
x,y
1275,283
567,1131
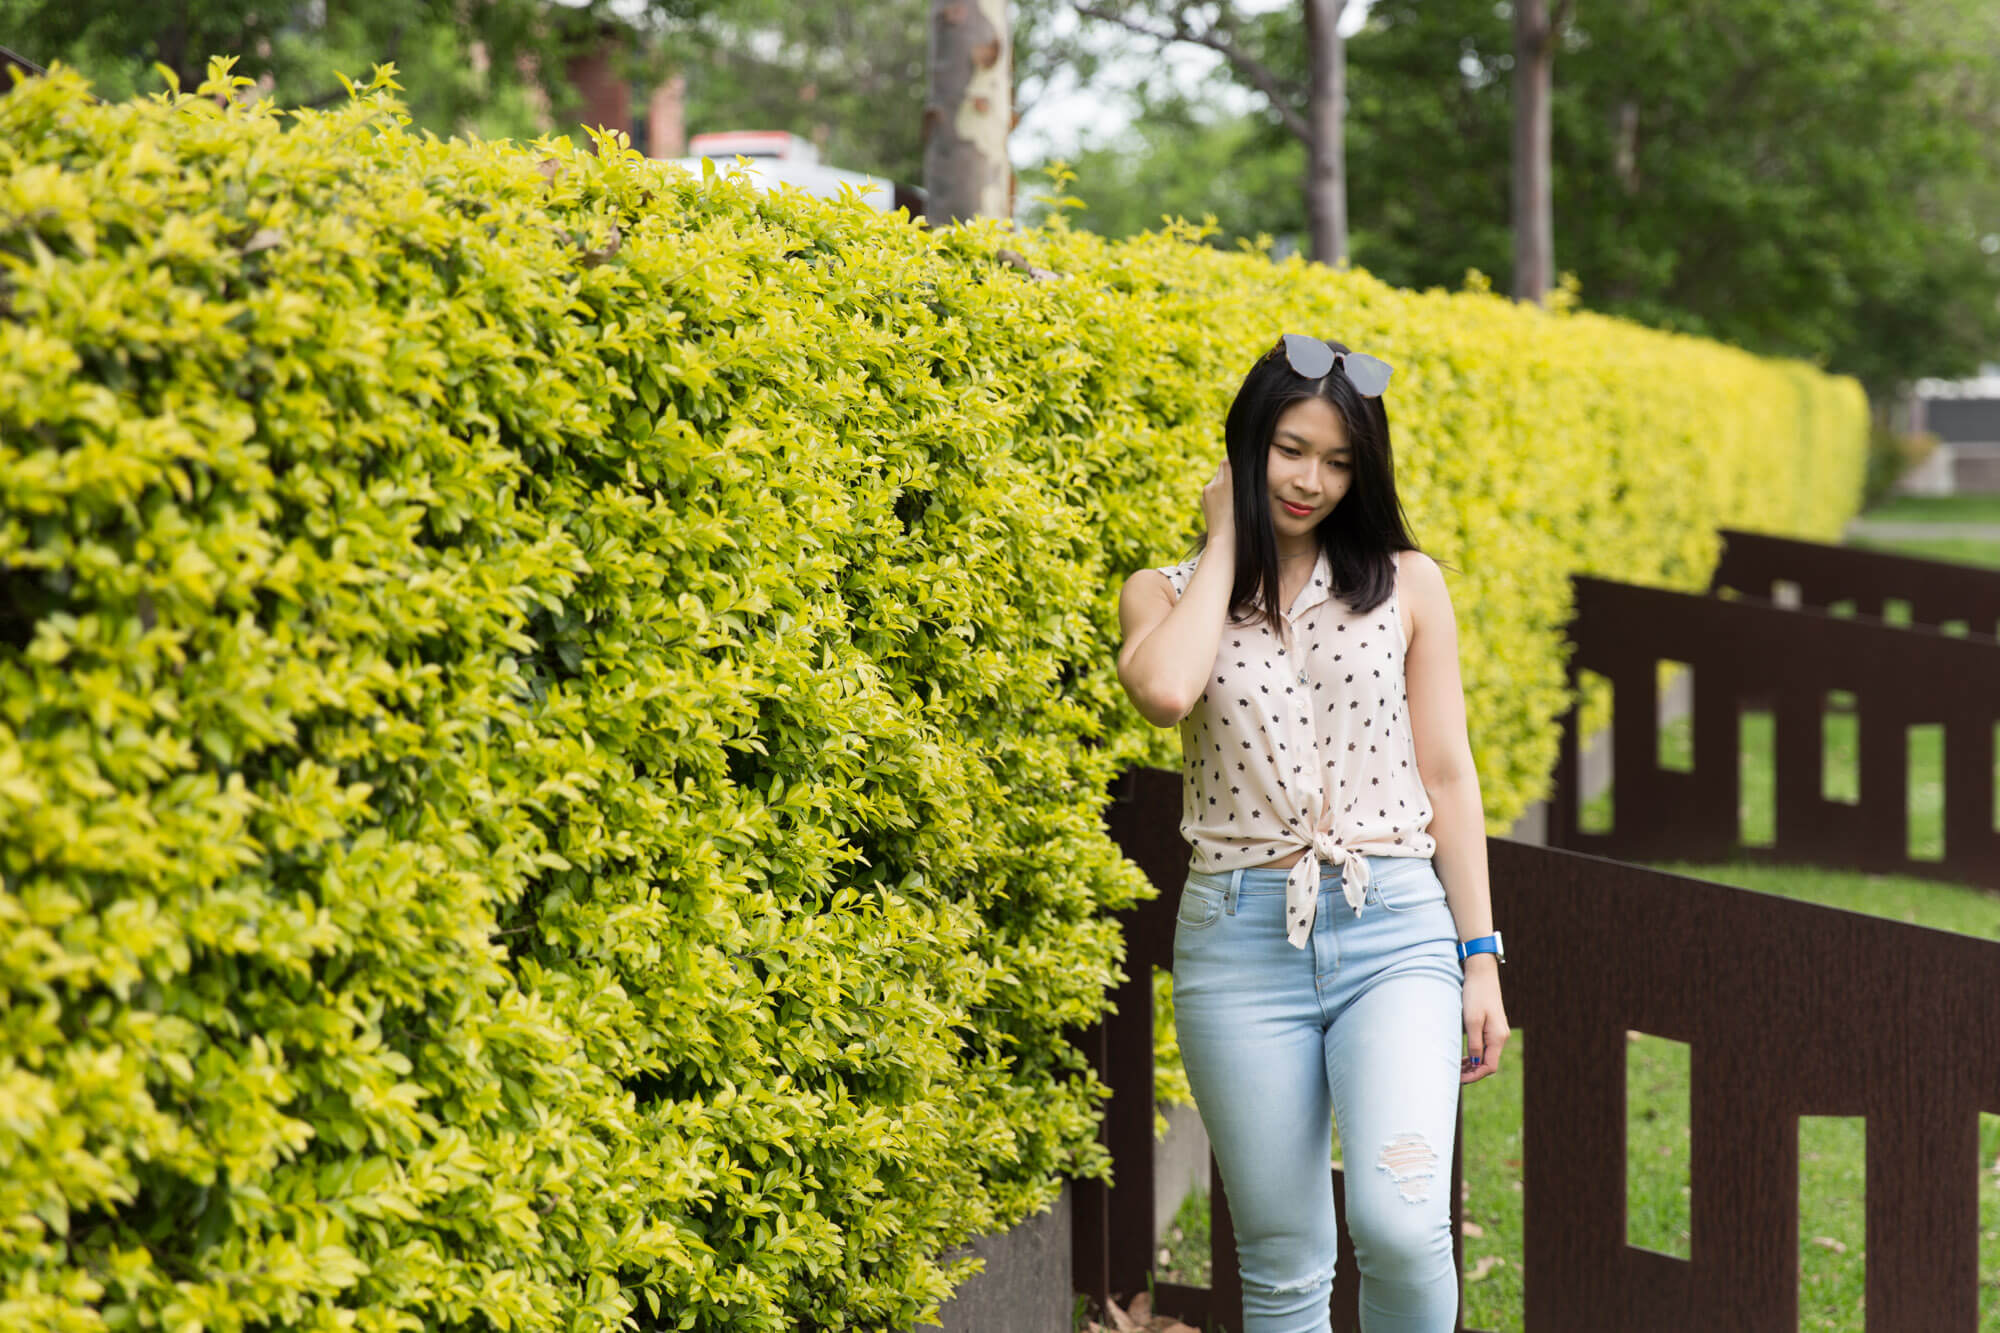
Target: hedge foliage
x,y
554,714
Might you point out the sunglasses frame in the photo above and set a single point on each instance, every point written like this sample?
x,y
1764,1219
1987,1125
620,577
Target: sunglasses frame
x,y
1312,359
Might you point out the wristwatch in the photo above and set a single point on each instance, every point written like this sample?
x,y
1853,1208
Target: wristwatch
x,y
1484,944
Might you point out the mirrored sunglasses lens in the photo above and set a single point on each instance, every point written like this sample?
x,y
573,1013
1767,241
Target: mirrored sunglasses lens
x,y
1369,375
1308,356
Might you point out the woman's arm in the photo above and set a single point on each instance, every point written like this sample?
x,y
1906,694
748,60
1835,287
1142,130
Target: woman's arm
x,y
1169,646
1458,818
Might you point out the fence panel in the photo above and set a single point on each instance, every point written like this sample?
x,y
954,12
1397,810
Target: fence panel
x,y
1790,1009
1756,564
1749,653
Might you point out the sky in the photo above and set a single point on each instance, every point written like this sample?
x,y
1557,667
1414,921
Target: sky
x,y
1068,117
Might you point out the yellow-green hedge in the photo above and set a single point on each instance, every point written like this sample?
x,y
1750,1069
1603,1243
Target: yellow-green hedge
x,y
553,715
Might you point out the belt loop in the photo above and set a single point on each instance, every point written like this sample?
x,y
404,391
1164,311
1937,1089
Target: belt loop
x,y
1235,884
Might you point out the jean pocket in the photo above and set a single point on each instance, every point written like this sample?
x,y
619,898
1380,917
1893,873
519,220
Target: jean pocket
x,y
1200,907
1406,889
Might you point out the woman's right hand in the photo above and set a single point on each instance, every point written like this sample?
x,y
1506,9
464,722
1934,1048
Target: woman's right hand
x,y
1218,504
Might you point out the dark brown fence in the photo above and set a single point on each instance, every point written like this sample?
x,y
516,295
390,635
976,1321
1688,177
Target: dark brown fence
x,y
14,67
1749,653
1790,1010
1937,592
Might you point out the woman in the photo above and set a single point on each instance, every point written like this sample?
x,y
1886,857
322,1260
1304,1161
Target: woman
x,y
1334,935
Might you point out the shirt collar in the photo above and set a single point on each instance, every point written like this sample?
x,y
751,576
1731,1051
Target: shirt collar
x,y
1316,590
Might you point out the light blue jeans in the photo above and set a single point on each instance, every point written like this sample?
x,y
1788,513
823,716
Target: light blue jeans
x,y
1366,1022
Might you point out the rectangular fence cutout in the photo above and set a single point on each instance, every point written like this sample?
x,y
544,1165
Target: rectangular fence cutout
x,y
1958,629
1184,1254
1491,1198
1756,811
1833,1221
1180,1147
1989,1221
1673,721
1896,611
1925,796
1659,1196
1844,607
1594,811
1840,749
1785,593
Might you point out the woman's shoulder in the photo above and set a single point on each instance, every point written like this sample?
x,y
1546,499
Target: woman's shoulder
x,y
1420,587
1418,568
1417,561
1178,575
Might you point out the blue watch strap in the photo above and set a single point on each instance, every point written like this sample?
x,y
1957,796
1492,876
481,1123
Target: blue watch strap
x,y
1484,944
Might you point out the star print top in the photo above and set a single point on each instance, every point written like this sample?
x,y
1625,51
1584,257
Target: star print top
x,y
1303,740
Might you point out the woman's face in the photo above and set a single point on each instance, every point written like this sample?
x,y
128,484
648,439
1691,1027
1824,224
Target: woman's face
x,y
1310,463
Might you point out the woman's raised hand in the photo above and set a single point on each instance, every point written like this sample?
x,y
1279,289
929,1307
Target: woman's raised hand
x,y
1218,504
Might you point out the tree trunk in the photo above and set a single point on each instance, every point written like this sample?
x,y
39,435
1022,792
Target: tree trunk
x,y
969,111
1326,149
1534,221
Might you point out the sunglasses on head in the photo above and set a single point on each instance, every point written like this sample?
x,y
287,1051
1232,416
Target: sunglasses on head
x,y
1313,359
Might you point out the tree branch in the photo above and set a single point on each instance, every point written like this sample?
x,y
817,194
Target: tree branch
x,y
1281,95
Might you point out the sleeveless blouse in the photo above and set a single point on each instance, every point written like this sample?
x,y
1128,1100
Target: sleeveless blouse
x,y
1303,740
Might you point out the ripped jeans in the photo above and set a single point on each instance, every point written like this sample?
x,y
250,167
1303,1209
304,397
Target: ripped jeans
x,y
1367,1021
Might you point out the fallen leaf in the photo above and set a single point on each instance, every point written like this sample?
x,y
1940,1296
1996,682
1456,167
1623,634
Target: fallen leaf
x,y
1472,1229
549,167
592,258
1479,1270
266,238
1178,1327
1830,1243
1141,1308
1121,1321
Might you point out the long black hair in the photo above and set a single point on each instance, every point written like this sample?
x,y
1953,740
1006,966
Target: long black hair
x,y
1363,533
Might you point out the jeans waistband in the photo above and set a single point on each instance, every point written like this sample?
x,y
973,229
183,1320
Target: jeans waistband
x,y
1263,875
1259,881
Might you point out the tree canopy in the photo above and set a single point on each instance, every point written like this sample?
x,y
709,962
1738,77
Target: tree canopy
x,y
1818,178
462,67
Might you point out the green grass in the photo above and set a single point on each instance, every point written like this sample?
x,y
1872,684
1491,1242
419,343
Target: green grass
x,y
1937,509
1957,550
1186,1244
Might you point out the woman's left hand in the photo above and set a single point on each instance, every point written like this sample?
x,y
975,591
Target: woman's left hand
x,y
1486,1027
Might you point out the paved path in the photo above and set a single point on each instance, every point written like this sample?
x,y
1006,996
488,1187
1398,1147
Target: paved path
x,y
1894,530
